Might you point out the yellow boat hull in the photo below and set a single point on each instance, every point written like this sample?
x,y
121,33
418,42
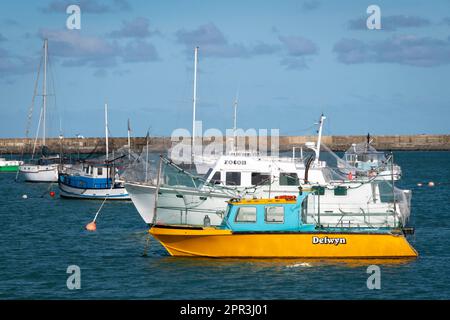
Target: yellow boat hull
x,y
217,243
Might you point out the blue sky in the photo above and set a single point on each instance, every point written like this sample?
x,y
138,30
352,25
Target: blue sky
x,y
289,60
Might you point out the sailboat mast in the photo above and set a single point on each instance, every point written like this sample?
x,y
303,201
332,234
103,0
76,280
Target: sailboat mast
x,y
235,123
129,140
106,130
194,101
44,92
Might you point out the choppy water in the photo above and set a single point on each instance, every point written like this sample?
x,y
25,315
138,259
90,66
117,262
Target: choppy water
x,y
40,237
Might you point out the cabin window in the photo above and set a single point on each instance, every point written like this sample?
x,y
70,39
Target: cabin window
x,y
386,192
233,178
289,179
274,214
260,178
246,214
340,191
99,171
318,190
216,178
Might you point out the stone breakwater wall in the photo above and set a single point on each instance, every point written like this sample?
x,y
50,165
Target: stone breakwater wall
x,y
423,142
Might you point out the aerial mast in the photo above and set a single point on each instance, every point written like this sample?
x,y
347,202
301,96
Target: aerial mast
x,y
319,139
106,130
129,139
44,92
194,102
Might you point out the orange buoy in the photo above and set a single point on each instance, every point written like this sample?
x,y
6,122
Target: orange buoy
x,y
91,226
52,194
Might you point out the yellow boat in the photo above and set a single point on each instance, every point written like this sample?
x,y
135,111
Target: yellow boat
x,y
274,228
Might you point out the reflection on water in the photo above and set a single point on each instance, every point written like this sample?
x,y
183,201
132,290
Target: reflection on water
x,y
279,263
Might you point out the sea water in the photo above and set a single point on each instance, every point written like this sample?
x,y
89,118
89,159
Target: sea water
x,y
42,236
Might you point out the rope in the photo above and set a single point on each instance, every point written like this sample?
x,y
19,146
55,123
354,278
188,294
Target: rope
x,y
103,202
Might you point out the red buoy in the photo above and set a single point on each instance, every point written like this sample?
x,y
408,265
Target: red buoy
x,y
52,194
91,226
350,176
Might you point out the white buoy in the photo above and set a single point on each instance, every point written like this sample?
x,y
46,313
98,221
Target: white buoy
x,y
24,196
431,184
419,184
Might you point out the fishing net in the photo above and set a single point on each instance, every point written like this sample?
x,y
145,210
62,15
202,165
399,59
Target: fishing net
x,y
143,168
358,193
120,159
359,204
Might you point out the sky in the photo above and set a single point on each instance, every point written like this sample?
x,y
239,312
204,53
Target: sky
x,y
285,61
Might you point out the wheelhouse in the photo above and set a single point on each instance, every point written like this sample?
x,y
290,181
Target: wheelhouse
x,y
267,215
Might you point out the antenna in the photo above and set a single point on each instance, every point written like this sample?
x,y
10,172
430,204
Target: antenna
x,y
129,139
106,130
194,101
319,139
235,105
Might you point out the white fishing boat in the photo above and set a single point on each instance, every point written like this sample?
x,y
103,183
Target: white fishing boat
x,y
91,181
342,200
362,159
184,198
97,179
44,169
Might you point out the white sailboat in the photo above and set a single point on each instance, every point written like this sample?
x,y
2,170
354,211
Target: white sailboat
x,y
44,169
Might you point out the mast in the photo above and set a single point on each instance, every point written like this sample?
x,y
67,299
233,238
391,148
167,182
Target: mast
x,y
194,101
319,139
235,121
106,130
129,140
44,92
146,159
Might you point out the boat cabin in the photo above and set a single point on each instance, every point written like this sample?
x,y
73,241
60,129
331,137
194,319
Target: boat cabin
x,y
364,157
267,215
90,176
242,171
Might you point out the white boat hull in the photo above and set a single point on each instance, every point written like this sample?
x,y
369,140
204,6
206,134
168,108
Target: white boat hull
x,y
40,173
93,194
190,207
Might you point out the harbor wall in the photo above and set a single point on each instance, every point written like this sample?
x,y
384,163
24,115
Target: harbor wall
x,y
423,142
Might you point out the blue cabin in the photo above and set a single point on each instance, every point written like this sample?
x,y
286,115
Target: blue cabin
x,y
91,176
282,214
